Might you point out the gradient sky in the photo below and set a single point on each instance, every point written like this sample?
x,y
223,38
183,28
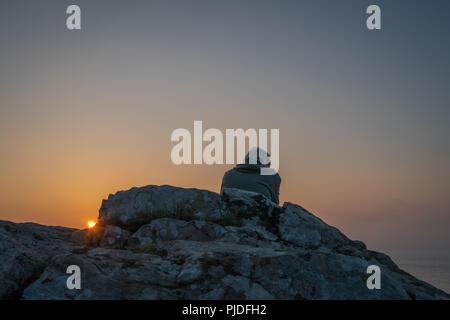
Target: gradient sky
x,y
364,116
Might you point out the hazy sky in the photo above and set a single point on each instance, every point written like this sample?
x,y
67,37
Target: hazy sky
x,y
364,116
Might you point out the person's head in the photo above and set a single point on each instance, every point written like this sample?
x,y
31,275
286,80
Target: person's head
x,y
258,156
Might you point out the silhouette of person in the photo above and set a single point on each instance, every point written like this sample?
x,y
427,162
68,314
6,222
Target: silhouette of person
x,y
247,176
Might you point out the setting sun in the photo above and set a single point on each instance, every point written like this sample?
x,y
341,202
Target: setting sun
x,y
91,224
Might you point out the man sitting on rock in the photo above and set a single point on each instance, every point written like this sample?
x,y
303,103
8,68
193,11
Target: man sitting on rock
x,y
247,177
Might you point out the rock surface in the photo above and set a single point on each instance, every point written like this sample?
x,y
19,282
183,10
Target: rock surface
x,y
128,208
25,251
163,242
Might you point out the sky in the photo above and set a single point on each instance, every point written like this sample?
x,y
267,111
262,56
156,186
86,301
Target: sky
x,y
364,116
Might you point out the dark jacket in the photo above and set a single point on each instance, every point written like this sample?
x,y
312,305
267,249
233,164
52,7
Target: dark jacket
x,y
247,177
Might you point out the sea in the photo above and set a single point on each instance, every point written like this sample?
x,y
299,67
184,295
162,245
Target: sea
x,y
430,266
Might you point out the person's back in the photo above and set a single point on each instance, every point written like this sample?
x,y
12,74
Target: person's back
x,y
247,177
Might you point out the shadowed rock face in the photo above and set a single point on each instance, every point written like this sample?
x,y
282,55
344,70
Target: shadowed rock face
x,y
25,251
173,243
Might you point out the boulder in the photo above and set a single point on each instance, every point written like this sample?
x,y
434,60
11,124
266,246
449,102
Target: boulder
x,y
131,209
301,228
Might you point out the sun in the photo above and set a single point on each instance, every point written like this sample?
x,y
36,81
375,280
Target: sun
x,y
91,224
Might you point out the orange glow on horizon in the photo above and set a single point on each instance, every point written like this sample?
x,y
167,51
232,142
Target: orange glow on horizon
x,y
91,224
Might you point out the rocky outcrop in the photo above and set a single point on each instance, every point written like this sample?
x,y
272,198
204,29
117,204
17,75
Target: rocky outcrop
x,y
131,208
173,243
25,251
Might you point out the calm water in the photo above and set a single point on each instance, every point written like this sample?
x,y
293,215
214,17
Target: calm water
x,y
433,268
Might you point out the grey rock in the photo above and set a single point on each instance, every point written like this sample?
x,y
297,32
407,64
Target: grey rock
x,y
79,236
25,251
257,292
166,229
279,253
248,204
125,208
220,270
114,236
301,228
